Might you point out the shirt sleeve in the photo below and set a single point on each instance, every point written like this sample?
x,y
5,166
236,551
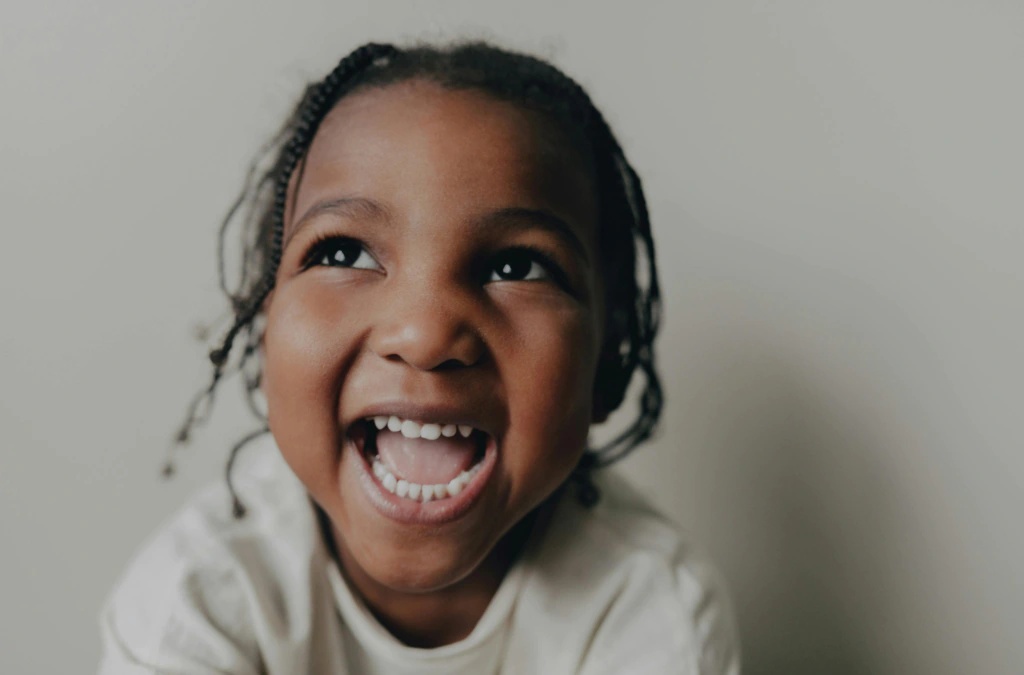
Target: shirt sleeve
x,y
175,647
668,619
709,619
175,612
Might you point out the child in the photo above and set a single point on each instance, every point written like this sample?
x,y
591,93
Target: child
x,y
440,295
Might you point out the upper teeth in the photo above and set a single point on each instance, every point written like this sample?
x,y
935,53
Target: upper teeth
x,y
411,429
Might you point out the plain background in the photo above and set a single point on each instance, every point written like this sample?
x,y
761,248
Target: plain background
x,y
836,191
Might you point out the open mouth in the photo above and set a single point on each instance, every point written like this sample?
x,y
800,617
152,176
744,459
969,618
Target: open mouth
x,y
421,462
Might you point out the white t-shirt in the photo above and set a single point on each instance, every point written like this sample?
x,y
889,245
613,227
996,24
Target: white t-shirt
x,y
611,589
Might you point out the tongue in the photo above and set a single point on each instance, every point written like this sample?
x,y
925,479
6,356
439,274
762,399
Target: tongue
x,y
418,460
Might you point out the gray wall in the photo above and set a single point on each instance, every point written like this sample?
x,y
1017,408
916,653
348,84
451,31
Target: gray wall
x,y
836,194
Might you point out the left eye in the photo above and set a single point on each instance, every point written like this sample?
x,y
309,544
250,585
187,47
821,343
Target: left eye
x,y
517,266
345,253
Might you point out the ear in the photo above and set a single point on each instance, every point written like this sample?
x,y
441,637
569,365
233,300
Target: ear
x,y
609,383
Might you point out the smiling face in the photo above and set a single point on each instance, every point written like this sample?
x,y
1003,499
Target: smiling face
x,y
439,268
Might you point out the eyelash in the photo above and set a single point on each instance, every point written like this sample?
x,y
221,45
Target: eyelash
x,y
327,245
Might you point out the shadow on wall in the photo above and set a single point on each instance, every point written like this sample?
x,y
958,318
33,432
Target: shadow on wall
x,y
803,531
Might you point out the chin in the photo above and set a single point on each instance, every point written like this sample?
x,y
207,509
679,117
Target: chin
x,y
416,577
414,563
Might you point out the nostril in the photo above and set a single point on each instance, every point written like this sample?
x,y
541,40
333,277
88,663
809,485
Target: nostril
x,y
451,364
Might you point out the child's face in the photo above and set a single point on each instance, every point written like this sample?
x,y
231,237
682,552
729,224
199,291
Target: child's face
x,y
418,297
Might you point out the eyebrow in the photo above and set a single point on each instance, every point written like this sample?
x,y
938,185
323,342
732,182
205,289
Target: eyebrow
x,y
507,218
350,207
518,217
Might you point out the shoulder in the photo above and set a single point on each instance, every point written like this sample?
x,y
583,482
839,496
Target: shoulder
x,y
194,596
644,596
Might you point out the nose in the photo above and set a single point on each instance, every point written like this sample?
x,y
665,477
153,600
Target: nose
x,y
428,331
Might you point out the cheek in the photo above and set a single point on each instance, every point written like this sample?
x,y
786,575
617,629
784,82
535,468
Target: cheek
x,y
305,352
550,385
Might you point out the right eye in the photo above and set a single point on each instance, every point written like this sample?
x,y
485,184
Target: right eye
x,y
342,253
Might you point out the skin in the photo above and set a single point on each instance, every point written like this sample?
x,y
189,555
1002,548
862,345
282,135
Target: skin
x,y
424,320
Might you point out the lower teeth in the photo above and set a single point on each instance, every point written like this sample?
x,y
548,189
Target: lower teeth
x,y
422,493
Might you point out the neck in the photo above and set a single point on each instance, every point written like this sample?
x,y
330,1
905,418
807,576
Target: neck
x,y
441,617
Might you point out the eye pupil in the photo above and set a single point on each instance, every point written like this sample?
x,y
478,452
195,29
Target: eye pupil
x,y
346,253
514,268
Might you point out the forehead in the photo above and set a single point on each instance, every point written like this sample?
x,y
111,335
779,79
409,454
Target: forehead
x,y
418,147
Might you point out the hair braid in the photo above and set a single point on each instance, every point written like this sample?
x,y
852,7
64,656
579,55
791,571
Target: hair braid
x,y
320,102
641,325
313,108
641,351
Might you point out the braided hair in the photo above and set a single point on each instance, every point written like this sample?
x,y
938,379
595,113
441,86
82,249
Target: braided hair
x,y
632,296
